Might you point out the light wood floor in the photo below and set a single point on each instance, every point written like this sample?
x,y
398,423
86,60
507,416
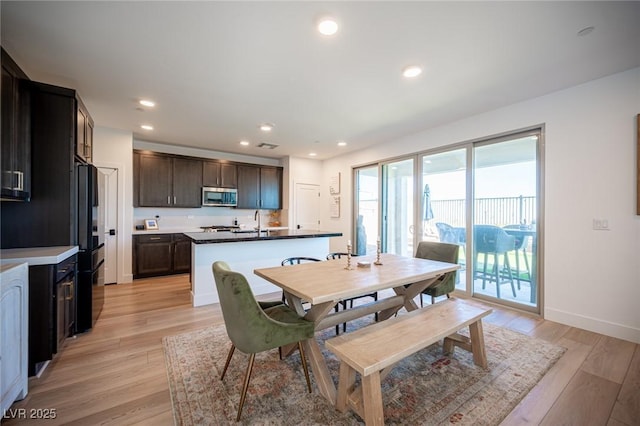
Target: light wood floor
x,y
115,374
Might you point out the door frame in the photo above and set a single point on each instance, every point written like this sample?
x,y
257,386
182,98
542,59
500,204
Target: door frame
x,y
120,237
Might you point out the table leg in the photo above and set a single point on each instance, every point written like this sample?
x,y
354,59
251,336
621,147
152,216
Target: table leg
x,y
320,370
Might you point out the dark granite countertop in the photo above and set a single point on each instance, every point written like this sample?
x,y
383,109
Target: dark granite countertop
x,y
234,237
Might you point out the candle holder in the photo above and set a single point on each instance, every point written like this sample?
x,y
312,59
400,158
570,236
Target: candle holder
x,y
348,267
377,262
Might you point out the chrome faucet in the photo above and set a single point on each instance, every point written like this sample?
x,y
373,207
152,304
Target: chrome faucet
x,y
256,216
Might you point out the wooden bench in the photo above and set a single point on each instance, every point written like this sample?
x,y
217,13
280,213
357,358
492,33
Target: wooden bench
x,y
373,351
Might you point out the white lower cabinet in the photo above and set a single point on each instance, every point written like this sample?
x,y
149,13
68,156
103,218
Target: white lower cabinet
x,y
14,353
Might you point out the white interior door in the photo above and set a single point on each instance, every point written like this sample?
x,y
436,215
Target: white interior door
x,y
108,220
307,206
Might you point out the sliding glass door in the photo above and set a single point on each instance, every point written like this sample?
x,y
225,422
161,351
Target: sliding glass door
x,y
483,196
505,225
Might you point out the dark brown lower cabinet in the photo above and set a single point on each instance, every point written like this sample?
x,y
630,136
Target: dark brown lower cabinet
x,y
161,254
181,254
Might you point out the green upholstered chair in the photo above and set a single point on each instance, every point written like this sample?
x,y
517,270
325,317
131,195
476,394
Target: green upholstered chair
x,y
442,252
255,326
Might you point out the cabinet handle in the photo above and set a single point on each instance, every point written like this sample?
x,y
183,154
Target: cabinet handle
x,y
168,199
154,238
174,199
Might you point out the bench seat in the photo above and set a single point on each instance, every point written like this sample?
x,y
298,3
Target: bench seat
x,y
373,350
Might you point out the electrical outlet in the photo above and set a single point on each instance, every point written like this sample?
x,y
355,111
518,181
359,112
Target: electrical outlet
x,y
190,216
600,224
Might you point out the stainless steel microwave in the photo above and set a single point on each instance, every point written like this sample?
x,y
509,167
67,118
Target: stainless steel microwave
x,y
219,197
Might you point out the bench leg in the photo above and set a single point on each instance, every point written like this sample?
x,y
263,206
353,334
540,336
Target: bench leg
x,y
372,393
477,344
346,383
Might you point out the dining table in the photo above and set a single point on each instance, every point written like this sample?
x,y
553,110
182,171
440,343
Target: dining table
x,y
323,284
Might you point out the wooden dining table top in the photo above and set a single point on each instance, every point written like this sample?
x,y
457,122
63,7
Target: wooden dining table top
x,y
325,281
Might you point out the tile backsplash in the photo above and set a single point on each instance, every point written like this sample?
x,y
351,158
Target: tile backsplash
x,y
205,216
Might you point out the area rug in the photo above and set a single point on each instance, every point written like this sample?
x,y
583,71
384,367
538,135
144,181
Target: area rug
x,y
427,388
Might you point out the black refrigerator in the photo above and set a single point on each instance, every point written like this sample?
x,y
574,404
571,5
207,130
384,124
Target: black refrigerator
x,y
90,285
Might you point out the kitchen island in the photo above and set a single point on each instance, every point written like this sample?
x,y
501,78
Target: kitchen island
x,y
245,251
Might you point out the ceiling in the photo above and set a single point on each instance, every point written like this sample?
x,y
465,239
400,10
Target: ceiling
x,y
217,70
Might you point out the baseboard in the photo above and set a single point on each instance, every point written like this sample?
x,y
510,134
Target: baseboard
x,y
596,325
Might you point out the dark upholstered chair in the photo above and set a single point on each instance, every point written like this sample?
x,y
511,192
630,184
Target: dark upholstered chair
x,y
520,245
493,240
296,261
255,326
343,303
442,252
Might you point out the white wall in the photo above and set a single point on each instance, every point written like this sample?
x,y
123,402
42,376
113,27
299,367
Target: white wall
x,y
591,278
299,170
114,148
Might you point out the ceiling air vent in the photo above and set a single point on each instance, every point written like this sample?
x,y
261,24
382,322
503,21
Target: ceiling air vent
x,y
267,145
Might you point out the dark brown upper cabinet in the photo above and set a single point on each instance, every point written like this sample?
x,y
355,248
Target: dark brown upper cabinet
x,y
168,181
16,140
217,174
259,187
84,134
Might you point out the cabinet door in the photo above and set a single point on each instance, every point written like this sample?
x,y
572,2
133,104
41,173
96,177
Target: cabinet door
x,y
219,175
16,145
187,183
81,134
181,254
155,177
248,187
228,175
270,188
211,174
153,255
88,141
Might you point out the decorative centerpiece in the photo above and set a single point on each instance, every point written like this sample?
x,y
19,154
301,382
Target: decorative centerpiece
x,y
377,262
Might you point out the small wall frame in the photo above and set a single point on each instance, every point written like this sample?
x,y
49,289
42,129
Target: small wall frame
x,y
150,224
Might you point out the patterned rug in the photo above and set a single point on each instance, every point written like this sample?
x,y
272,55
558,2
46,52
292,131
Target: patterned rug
x,y
427,388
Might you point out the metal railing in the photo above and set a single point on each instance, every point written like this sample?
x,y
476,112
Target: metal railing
x,y
498,211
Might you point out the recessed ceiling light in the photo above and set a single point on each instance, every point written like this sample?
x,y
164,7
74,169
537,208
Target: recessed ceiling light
x,y
266,127
312,154
147,103
327,26
244,143
583,32
146,127
411,71
342,143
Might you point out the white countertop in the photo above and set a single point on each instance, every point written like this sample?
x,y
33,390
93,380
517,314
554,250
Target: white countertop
x,y
37,255
8,266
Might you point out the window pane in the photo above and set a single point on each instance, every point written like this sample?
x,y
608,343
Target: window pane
x,y
443,202
398,190
366,210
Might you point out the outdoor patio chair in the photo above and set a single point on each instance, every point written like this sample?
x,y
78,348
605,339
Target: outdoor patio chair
x,y
520,245
493,241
